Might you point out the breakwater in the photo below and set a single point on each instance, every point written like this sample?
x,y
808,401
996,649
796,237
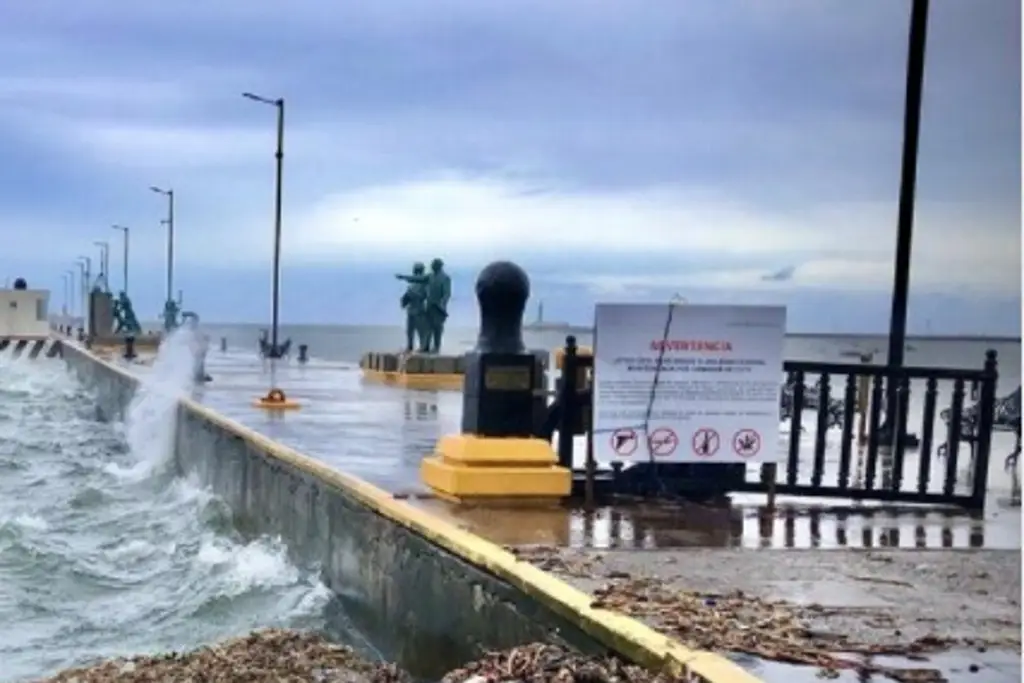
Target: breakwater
x,y
426,594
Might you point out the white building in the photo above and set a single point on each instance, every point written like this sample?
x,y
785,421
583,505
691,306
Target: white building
x,y
24,313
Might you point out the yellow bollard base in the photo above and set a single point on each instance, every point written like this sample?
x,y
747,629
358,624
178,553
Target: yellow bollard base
x,y
276,400
467,468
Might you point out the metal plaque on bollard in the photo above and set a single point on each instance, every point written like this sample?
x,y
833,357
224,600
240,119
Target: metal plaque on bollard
x,y
498,394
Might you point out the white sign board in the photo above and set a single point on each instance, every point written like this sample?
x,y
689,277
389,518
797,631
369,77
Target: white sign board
x,y
703,386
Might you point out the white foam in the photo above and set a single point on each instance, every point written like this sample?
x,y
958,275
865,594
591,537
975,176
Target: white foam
x,y
263,563
152,416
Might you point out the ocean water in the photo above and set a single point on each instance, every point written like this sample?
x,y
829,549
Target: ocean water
x,y
103,551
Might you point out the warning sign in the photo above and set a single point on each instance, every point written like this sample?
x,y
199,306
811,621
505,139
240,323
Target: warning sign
x,y
746,443
706,442
624,442
663,442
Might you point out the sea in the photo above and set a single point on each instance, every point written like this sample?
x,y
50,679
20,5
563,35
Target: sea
x,y
104,552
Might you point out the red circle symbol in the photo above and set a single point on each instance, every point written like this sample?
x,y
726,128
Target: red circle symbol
x,y
624,442
706,442
663,441
746,443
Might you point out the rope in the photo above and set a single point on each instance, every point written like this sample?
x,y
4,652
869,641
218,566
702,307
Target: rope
x,y
645,427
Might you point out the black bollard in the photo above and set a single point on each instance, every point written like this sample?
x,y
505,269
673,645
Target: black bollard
x,y
303,353
129,348
497,399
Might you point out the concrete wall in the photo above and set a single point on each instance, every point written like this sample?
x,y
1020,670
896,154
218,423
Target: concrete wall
x,y
428,595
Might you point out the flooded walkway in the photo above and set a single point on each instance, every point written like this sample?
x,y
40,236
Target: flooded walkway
x,y
961,609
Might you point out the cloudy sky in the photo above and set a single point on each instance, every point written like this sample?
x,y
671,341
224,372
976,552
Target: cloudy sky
x,y
725,150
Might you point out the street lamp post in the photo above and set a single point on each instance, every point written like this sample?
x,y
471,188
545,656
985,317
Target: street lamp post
x,y
104,263
67,299
275,348
85,265
169,222
905,226
70,291
126,231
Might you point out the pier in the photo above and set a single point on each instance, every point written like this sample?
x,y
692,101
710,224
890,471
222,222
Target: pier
x,y
355,448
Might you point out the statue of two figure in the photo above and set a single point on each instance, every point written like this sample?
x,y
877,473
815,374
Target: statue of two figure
x,y
124,315
425,302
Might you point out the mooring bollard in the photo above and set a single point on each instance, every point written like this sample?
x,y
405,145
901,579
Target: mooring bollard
x,y
303,353
498,409
129,347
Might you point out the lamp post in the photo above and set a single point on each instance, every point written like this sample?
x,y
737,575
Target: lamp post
x,y
67,298
85,266
905,227
275,398
169,222
275,348
126,231
70,291
104,263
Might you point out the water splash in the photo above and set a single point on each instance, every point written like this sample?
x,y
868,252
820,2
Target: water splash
x,y
100,559
151,419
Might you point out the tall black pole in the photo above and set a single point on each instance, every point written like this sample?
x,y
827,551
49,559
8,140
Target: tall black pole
x,y
170,245
126,231
908,186
277,226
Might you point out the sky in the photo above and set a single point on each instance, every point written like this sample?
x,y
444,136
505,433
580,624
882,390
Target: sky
x,y
732,151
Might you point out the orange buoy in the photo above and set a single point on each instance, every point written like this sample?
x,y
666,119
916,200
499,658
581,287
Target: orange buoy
x,y
276,400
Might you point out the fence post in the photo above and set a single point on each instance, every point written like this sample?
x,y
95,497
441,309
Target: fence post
x,y
986,417
863,400
568,401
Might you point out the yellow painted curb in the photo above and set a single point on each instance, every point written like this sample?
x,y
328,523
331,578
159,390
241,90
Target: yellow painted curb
x,y
624,635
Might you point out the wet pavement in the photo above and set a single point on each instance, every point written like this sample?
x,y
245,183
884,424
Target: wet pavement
x,y
381,433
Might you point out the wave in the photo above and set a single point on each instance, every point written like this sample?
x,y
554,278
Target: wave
x,y
103,550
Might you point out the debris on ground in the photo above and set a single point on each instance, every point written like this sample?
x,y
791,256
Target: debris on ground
x,y
544,663
739,622
265,656
557,560
283,656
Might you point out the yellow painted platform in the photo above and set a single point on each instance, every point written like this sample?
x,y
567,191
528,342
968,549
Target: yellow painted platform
x,y
414,371
417,381
471,468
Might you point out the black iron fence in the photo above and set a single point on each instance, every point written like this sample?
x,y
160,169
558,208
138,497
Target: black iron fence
x,y
933,446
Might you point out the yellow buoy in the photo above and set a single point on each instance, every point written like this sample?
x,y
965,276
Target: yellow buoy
x,y
276,400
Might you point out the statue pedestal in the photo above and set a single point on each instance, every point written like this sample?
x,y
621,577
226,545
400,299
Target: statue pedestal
x,y
414,371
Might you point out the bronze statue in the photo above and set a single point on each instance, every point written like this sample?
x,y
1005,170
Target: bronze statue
x,y
413,302
438,290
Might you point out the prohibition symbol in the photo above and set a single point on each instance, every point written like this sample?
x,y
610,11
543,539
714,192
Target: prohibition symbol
x,y
706,442
746,443
624,441
663,441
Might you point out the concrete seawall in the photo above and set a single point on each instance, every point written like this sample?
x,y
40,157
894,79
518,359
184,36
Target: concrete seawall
x,y
427,594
